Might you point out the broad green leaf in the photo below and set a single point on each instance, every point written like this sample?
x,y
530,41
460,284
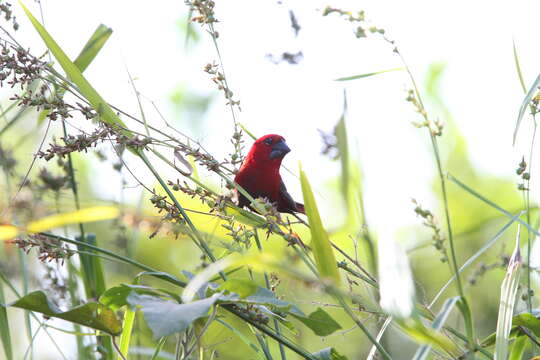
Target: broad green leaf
x,y
116,297
509,289
84,87
92,47
168,317
96,213
528,321
92,315
518,348
242,287
5,333
361,76
322,250
329,354
320,322
437,324
423,335
262,297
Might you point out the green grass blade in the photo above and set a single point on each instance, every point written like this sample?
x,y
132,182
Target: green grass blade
x,y
361,76
5,334
343,147
250,134
518,68
84,87
92,47
320,242
491,203
127,327
509,289
525,104
242,337
518,348
159,346
437,324
465,309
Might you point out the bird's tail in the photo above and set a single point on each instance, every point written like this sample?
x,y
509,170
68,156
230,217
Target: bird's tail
x,y
300,208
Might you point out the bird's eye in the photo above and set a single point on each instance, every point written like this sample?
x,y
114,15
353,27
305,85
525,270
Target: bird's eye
x,y
268,141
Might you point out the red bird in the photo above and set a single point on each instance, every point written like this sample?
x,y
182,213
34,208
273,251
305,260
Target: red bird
x,y
259,174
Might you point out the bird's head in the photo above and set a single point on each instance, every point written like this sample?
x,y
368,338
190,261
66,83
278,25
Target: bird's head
x,y
269,149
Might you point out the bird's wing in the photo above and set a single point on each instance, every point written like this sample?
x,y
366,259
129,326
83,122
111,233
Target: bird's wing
x,y
288,204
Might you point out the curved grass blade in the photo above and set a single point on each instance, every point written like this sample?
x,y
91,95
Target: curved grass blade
x,y
96,213
509,289
385,325
361,76
528,97
518,67
437,324
320,242
518,348
491,203
125,337
5,334
92,47
242,337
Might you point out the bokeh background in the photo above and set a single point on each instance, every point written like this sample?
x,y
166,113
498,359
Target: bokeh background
x,y
460,53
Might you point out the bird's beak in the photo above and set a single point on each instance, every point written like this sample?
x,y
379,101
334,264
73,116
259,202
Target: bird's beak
x,y
279,150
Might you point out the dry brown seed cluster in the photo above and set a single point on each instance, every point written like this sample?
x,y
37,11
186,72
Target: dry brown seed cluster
x,y
49,249
358,17
219,80
435,127
5,8
525,176
19,67
206,160
204,9
78,143
431,222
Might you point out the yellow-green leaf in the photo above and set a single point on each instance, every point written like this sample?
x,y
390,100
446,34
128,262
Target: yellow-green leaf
x,y
320,242
8,232
96,213
92,47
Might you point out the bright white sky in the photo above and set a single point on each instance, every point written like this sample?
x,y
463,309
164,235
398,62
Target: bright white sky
x,y
474,38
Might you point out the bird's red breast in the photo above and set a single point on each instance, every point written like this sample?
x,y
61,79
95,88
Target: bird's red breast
x,y
259,174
